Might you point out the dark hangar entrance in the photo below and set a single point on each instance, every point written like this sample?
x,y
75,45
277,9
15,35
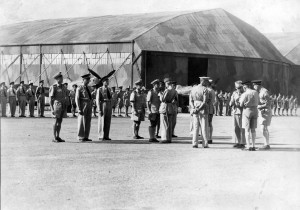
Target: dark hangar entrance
x,y
197,67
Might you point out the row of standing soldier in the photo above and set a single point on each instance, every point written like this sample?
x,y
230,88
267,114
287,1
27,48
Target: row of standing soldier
x,y
161,103
282,103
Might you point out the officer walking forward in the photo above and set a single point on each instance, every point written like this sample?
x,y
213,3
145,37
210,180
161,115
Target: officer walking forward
x,y
264,111
12,99
104,104
153,103
57,95
30,95
40,96
84,102
138,108
198,103
21,98
249,101
239,132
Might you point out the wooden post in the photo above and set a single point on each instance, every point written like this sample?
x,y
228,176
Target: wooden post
x,y
21,59
132,59
41,63
145,68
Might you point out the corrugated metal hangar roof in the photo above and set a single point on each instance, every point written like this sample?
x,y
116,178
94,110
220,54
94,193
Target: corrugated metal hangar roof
x,y
294,55
212,32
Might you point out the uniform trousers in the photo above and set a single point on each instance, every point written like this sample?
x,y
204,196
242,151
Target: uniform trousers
x,y
239,132
31,102
84,120
105,121
12,105
22,105
166,122
200,122
3,105
41,106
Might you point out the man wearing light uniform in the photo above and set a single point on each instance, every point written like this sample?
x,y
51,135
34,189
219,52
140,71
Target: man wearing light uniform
x,y
265,111
249,101
199,106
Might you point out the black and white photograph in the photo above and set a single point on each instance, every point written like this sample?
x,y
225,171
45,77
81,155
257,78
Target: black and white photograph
x,y
150,104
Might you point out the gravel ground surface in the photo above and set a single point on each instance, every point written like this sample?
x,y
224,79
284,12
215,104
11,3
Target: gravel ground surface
x,y
134,174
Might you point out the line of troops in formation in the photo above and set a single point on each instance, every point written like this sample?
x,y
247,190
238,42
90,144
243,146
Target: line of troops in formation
x,y
249,102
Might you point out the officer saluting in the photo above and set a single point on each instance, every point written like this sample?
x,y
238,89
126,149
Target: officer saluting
x,y
264,111
21,98
198,102
153,103
30,95
40,96
104,104
12,99
57,95
84,102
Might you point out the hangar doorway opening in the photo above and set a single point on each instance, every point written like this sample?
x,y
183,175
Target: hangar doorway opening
x,y
197,67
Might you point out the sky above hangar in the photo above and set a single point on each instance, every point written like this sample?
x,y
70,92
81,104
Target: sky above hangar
x,y
268,16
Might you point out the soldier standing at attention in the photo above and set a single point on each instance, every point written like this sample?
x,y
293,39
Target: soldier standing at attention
x,y
275,104
291,105
249,101
210,103
279,104
67,100
138,108
221,102
103,100
21,98
217,101
167,111
57,95
40,96
286,105
120,101
84,102
161,92
175,105
237,115
30,95
12,99
296,105
3,97
126,99
114,100
72,99
153,103
264,111
198,103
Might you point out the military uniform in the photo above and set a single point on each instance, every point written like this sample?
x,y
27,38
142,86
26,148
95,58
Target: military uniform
x,y
84,102
249,101
279,103
3,97
104,104
114,99
275,104
153,101
40,96
58,94
30,95
73,102
21,96
175,105
120,102
286,105
199,98
67,102
291,105
210,103
126,99
12,100
138,109
221,103
296,105
264,114
239,132
94,93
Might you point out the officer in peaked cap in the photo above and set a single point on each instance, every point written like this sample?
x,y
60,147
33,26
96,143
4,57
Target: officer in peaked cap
x,y
249,101
40,96
12,99
57,95
153,103
264,111
138,108
84,102
239,132
21,98
3,98
30,95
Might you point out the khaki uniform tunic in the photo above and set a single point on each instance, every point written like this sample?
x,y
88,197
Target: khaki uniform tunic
x,y
58,94
21,96
139,103
103,100
30,95
265,114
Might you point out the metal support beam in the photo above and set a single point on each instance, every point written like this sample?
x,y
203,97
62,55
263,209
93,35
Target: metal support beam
x,y
21,59
132,54
41,63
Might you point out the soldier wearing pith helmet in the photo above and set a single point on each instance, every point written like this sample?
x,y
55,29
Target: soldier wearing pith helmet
x,y
57,94
84,102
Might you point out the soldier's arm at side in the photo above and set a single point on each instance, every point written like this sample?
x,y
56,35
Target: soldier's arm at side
x,y
267,101
149,97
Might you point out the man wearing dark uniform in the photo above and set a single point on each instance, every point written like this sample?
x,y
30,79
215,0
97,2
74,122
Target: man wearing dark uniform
x,y
153,103
72,99
84,102
21,98
138,108
126,99
175,105
210,103
30,95
40,96
57,96
12,99
114,100
67,100
3,97
198,102
94,92
104,104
